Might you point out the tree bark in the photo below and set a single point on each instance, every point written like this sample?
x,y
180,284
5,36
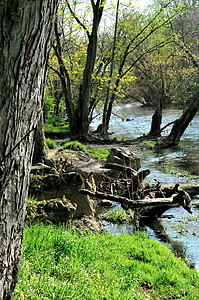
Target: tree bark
x,y
156,122
25,33
181,124
40,151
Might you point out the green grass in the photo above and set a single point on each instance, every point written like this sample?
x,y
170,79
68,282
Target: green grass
x,y
50,144
74,145
56,127
148,144
116,216
170,169
98,153
58,264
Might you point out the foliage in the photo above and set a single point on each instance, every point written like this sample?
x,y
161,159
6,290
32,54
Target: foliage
x,y
59,264
98,153
148,143
56,127
49,103
73,145
176,171
50,144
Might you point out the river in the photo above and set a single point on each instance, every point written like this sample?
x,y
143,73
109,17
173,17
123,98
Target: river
x,y
180,230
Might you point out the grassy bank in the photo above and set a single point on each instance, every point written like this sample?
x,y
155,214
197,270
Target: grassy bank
x,y
57,264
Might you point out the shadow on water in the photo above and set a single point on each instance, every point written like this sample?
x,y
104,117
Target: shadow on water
x,y
160,234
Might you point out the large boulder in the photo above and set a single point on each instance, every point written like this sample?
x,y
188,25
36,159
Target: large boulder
x,y
53,186
55,210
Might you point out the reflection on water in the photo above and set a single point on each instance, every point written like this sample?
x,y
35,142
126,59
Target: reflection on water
x,y
180,232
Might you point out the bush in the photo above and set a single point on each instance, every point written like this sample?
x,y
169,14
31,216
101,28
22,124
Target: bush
x,y
56,128
75,145
49,103
50,144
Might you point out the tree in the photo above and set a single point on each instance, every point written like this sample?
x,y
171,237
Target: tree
x,y
78,111
132,45
181,124
25,33
186,43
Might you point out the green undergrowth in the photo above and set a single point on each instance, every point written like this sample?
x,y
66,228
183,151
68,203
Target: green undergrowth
x,y
56,128
149,144
73,145
97,153
59,264
50,144
115,216
170,169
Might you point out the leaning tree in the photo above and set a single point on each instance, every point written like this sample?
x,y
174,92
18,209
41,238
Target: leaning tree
x,y
25,34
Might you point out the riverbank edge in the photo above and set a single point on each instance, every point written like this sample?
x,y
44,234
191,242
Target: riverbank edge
x,y
58,264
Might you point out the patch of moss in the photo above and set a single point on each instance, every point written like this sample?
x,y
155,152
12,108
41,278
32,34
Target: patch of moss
x,y
99,154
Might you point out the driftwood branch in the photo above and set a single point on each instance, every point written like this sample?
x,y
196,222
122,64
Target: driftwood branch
x,y
135,203
191,189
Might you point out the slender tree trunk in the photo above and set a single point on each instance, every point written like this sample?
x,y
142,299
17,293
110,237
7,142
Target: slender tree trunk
x,y
181,124
25,32
40,151
156,121
106,117
79,115
85,88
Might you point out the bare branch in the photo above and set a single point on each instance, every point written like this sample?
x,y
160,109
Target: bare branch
x,y
77,19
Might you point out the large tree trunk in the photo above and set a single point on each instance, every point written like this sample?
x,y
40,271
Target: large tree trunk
x,y
25,31
183,122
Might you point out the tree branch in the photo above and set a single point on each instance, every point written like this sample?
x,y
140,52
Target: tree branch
x,y
77,19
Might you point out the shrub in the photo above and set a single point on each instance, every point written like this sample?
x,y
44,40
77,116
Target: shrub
x,y
74,145
50,144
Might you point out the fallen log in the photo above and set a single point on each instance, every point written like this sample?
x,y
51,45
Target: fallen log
x,y
111,197
191,189
180,199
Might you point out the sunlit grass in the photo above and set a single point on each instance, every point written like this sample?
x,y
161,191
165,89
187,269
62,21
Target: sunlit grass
x,y
116,216
98,153
58,264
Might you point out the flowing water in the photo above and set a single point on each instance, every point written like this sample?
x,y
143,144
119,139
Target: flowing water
x,y
180,230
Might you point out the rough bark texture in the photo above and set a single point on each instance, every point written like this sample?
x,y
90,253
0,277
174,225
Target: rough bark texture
x,y
40,150
25,31
182,123
156,122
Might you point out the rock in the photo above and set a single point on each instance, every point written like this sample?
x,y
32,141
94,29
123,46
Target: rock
x,y
55,210
87,223
67,185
